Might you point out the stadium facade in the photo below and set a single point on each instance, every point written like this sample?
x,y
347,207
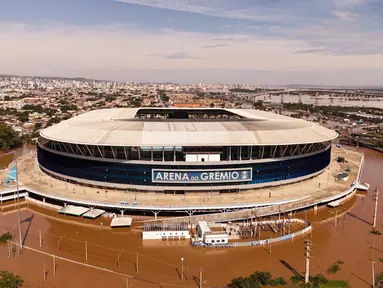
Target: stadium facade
x,y
174,150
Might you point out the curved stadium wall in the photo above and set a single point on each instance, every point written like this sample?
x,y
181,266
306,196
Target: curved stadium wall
x,y
130,168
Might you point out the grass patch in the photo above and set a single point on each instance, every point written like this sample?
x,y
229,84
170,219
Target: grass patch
x,y
335,284
375,232
5,237
380,259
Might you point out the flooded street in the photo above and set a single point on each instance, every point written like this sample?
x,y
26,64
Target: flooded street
x,y
326,100
7,157
346,239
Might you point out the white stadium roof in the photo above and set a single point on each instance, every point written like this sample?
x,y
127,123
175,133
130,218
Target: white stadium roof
x,y
118,127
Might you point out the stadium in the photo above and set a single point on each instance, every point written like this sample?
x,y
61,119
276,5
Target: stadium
x,y
176,151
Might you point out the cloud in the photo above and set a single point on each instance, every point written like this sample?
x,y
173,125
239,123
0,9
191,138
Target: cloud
x,y
262,12
352,3
316,50
344,15
115,52
175,56
216,45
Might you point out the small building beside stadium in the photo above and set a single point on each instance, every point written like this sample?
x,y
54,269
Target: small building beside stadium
x,y
180,150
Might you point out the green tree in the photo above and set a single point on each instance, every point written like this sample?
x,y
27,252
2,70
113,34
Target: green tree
x,y
37,126
66,108
9,139
8,280
258,279
379,279
164,97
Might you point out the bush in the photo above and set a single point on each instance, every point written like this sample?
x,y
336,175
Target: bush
x,y
5,237
379,278
280,281
296,279
318,280
333,268
8,280
258,279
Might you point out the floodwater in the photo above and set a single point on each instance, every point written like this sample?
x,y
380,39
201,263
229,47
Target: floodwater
x,y
347,239
7,157
326,101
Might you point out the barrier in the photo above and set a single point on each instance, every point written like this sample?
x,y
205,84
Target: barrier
x,y
265,241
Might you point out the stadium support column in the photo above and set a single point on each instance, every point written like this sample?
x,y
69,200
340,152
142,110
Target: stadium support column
x,y
155,213
122,211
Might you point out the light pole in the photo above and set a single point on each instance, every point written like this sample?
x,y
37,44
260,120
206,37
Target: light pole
x,y
182,269
18,201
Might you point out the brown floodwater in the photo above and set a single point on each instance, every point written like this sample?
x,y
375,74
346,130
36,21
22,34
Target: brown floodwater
x,y
7,157
349,240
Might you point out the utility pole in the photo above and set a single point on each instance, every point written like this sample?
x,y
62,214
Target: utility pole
x,y
137,263
336,217
307,254
54,265
373,273
18,203
200,277
86,251
375,198
45,273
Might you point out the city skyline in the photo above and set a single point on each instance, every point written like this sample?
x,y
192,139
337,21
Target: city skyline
x,y
328,42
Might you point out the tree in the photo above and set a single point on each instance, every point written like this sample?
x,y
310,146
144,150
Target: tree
x,y
258,279
66,108
164,97
379,279
37,126
8,280
9,139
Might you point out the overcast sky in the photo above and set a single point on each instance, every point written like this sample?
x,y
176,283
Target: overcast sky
x,y
320,42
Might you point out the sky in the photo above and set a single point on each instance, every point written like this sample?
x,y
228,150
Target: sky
x,y
258,42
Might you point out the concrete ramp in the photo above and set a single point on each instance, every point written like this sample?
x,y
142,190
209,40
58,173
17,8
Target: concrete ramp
x,y
121,222
73,210
93,213
334,204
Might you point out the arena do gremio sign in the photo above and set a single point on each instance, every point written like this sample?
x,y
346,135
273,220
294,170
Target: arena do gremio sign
x,y
202,176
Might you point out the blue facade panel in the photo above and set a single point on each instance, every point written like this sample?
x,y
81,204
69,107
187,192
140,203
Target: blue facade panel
x,y
141,174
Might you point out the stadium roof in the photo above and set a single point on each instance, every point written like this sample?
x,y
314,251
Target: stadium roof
x,y
120,127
